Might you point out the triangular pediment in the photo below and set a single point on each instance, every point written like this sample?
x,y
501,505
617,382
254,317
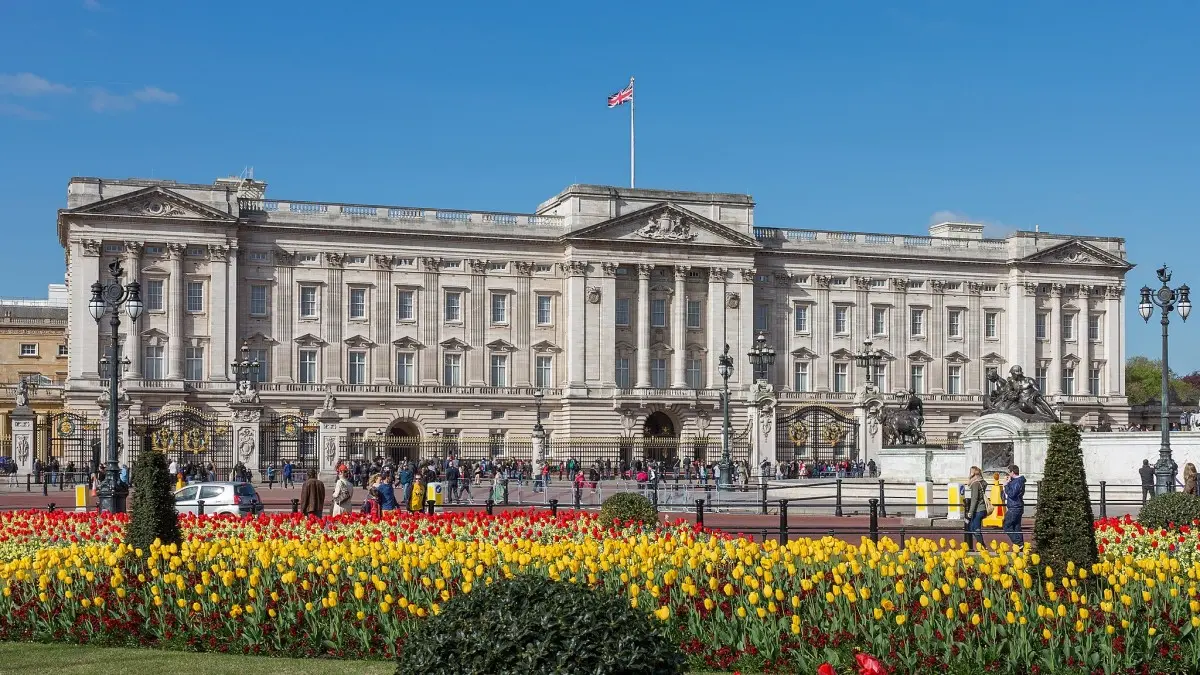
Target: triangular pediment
x,y
920,355
358,342
501,346
662,348
545,346
309,340
454,344
804,353
1077,252
842,354
154,337
886,355
260,338
407,342
154,202
1070,359
956,357
992,359
664,224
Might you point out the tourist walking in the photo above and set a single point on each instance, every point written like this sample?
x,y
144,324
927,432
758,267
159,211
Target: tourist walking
x,y
343,493
976,507
312,496
1014,505
1189,478
287,475
387,493
1147,473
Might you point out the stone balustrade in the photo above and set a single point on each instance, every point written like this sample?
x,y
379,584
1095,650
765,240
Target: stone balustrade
x,y
786,238
275,209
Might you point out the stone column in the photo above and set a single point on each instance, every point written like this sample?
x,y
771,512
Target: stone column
x,y
1085,344
22,439
761,417
1056,343
430,321
133,339
383,318
898,336
84,333
522,322
870,432
821,326
332,313
935,328
576,322
475,313
717,304
743,329
973,382
643,326
175,307
329,438
283,308
233,331
679,329
1114,353
218,316
608,324
1015,335
247,425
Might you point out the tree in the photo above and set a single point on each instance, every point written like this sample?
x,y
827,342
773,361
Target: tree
x,y
1063,531
1143,382
152,514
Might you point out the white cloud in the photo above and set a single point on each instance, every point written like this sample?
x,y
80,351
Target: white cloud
x,y
92,5
28,84
19,111
156,95
102,100
991,229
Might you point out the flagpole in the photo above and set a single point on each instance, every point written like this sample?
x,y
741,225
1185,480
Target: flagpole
x,y
631,145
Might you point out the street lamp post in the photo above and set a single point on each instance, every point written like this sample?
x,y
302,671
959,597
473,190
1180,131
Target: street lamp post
x,y
869,359
725,368
107,298
762,357
1167,299
245,368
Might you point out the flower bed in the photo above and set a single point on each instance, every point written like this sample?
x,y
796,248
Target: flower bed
x,y
351,587
1118,538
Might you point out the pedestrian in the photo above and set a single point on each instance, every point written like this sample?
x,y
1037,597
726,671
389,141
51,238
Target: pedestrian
x,y
343,493
1147,473
287,475
1189,478
312,496
976,507
387,494
452,482
1014,505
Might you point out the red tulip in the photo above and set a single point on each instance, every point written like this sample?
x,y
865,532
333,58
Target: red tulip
x,y
826,669
869,665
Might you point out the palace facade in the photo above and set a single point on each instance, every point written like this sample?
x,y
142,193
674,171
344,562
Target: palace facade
x,y
613,302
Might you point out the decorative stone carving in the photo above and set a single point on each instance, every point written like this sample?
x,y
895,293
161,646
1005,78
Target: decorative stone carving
x,y
218,252
330,402
1017,396
899,284
593,295
783,279
176,250
748,274
247,414
702,420
1073,256
1085,290
937,285
383,261
478,266
1030,288
975,288
22,449
718,274
823,280
244,393
574,268
285,258
91,247
733,300
523,267
1056,290
609,269
667,227
157,207
246,442
862,283
22,396
431,264
335,259
330,449
644,270
134,248
681,271
1114,292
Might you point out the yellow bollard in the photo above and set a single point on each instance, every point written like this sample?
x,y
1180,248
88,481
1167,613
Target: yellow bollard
x,y
997,517
954,505
924,490
81,498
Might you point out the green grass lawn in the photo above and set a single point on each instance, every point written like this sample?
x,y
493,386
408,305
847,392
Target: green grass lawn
x,y
20,657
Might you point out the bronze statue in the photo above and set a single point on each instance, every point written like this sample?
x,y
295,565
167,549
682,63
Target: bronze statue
x,y
1017,396
904,426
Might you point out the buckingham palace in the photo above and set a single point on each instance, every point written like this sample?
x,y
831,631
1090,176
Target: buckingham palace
x,y
603,311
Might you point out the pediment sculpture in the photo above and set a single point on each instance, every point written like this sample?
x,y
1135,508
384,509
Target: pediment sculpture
x,y
667,227
244,393
1017,396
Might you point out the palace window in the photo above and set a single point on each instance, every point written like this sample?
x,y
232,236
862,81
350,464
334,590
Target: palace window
x,y
258,300
990,329
1040,375
621,374
762,317
916,378
1039,325
801,318
658,312
195,296
544,314
452,370
405,368
152,362
193,364
693,374
1094,381
879,321
499,370
356,373
800,376
1068,380
358,303
453,306
541,371
954,379
693,313
308,302
841,377
263,372
499,308
308,366
916,320
881,377
404,306
154,295
841,320
62,350
1094,327
658,373
29,349
954,323
622,313
1068,326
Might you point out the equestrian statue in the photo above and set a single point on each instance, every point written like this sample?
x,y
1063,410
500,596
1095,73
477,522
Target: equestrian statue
x,y
903,426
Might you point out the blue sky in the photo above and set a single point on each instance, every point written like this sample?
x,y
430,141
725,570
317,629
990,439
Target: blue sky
x,y
1077,117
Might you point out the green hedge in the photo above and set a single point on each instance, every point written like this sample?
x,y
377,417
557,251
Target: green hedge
x,y
152,512
1064,530
628,506
528,625
1172,508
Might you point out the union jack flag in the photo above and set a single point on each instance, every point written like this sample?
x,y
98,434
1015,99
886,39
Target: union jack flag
x,y
623,96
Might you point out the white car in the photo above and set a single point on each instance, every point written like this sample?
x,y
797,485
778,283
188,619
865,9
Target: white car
x,y
235,498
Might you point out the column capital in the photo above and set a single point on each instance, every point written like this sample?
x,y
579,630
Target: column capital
x,y
823,281
1114,292
218,252
1056,290
609,269
175,250
718,274
899,284
644,270
91,247
682,271
862,283
1030,288
523,267
134,248
384,261
748,273
334,259
1084,290
431,264
937,285
478,266
783,279
574,268
975,288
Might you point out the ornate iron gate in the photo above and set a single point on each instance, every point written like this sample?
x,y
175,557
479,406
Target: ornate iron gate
x,y
75,440
189,436
285,438
816,433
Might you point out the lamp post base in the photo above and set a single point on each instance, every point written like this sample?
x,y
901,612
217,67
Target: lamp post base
x,y
725,480
1165,473
113,496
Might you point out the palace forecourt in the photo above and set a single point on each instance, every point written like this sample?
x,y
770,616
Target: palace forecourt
x,y
405,332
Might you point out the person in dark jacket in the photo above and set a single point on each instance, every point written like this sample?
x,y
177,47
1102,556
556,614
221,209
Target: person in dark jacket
x,y
1014,505
387,494
1147,473
312,496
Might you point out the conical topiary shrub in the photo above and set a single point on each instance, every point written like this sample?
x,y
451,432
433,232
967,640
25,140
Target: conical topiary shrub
x,y
152,512
1063,529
